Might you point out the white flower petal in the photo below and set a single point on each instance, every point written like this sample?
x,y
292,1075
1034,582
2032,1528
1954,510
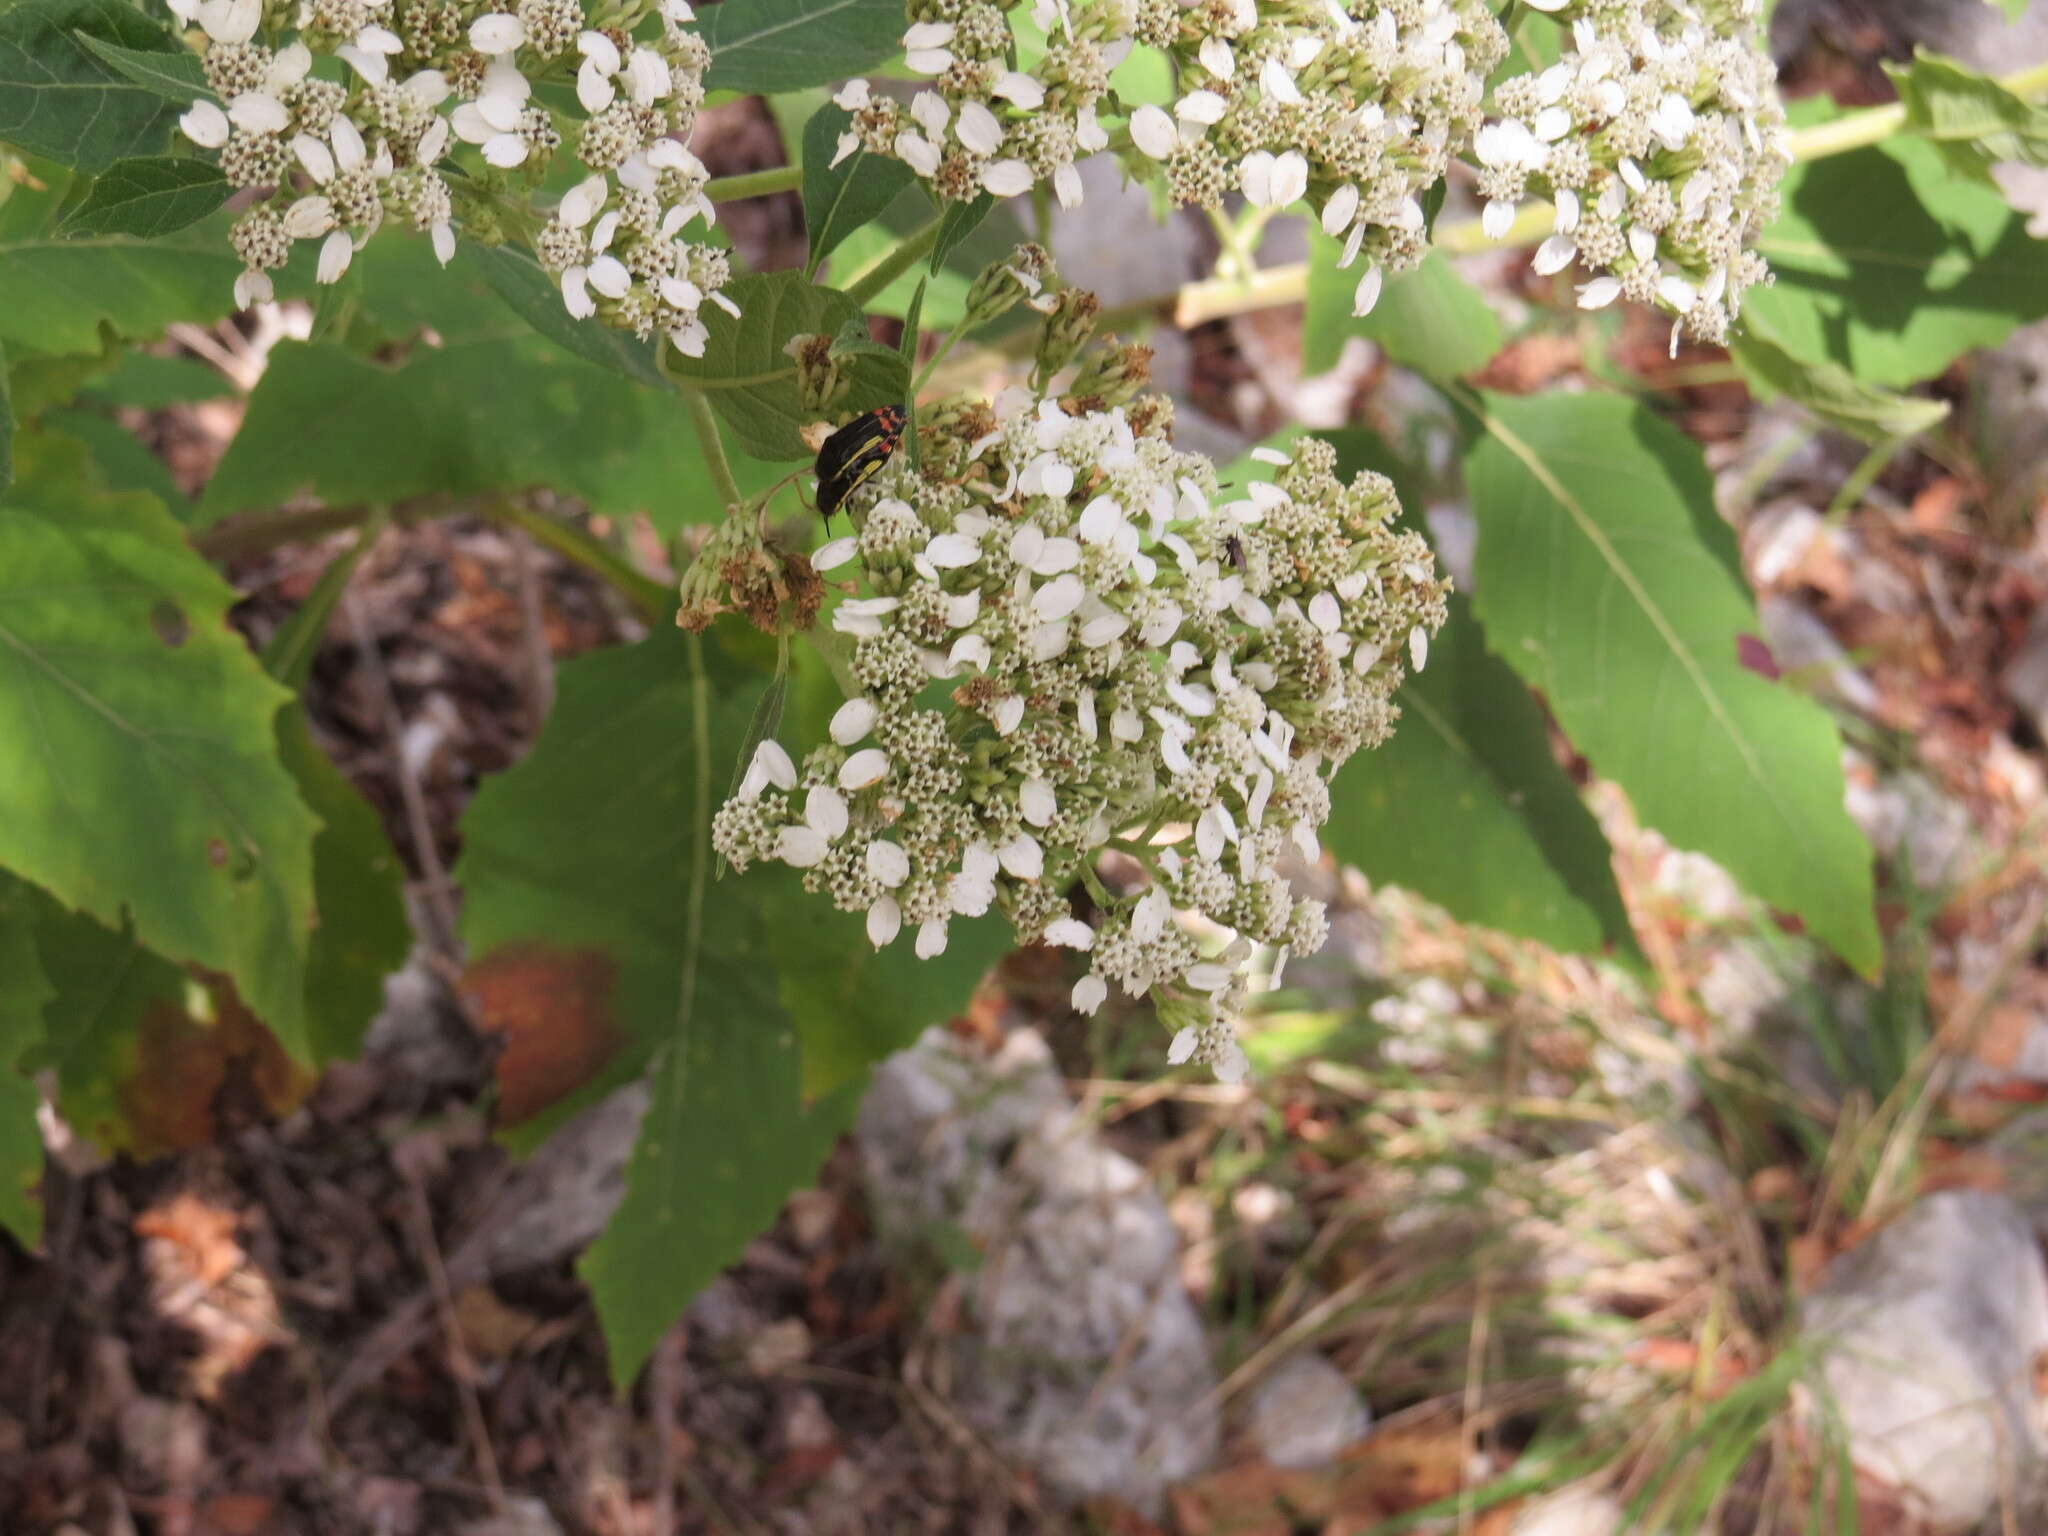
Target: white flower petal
x,y
1069,933
885,921
868,766
801,847
205,125
887,863
336,252
1367,292
1007,178
496,33
255,112
1154,132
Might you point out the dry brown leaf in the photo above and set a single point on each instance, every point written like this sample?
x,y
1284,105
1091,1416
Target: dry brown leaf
x,y
201,1234
490,1328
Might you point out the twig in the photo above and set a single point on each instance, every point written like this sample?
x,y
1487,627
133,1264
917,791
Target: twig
x,y
440,900
1474,1394
459,1356
540,659
662,1387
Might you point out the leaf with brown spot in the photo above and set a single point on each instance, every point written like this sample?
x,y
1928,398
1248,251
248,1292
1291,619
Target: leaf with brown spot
x,y
553,1011
757,1006
142,1051
139,781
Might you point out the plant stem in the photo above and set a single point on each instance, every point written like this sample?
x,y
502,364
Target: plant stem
x,y
733,189
706,425
289,656
938,356
253,535
650,599
885,270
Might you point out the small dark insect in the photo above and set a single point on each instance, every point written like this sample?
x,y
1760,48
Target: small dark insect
x,y
1233,546
855,452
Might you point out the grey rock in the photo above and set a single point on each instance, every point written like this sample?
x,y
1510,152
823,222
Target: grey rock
x,y
1910,821
570,1185
1580,1511
1305,1413
1083,1355
1929,1331
1800,642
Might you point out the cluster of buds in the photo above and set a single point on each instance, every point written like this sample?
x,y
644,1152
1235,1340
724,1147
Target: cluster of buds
x,y
1358,108
1133,661
984,125
428,80
1660,140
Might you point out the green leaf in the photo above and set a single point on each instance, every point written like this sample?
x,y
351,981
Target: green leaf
x,y
1599,581
768,46
138,763
488,406
518,279
956,223
1875,415
589,882
1971,119
464,419
58,98
149,382
140,1048
175,74
751,381
105,985
37,382
1466,806
148,198
136,287
1891,266
120,458
361,933
1430,319
838,199
24,990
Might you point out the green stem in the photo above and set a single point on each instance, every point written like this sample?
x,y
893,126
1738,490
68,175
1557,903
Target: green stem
x,y
650,599
907,253
733,189
289,656
253,535
705,423
938,356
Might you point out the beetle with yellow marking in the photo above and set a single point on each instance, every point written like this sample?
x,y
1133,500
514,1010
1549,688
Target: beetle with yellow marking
x,y
854,452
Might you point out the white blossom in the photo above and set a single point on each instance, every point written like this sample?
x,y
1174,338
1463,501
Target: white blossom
x,y
1095,703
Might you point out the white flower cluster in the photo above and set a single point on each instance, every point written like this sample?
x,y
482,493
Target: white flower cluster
x,y
1660,139
984,125
1358,107
427,78
1134,664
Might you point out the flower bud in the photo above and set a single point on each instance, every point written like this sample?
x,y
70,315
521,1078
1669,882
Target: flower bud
x,y
1023,274
1112,375
1066,330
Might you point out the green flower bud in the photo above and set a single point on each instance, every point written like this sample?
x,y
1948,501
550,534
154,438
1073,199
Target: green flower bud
x,y
1066,330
